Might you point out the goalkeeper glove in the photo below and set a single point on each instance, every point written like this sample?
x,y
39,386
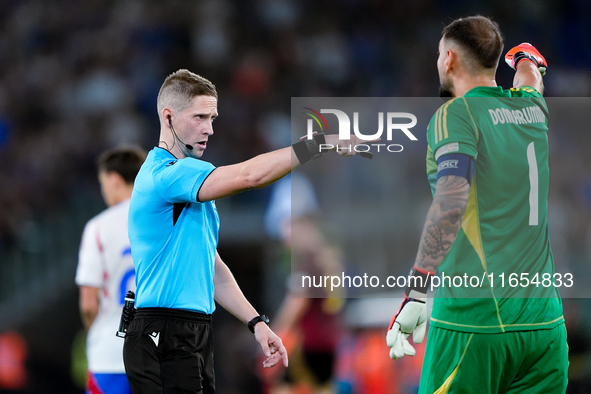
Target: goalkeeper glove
x,y
526,51
411,317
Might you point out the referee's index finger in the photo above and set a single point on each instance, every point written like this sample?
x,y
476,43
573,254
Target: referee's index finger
x,y
283,353
279,349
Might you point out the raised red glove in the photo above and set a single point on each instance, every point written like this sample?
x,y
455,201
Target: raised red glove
x,y
526,51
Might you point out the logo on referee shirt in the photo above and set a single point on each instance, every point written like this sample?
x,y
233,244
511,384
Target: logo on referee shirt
x,y
444,165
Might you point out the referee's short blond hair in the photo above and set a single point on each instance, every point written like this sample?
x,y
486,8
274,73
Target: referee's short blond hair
x,y
180,87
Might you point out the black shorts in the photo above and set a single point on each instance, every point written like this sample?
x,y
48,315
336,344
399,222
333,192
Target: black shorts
x,y
169,351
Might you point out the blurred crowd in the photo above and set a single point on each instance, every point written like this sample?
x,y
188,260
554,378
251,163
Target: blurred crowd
x,y
78,77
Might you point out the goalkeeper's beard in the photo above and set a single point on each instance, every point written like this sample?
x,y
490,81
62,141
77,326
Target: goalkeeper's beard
x,y
444,92
445,87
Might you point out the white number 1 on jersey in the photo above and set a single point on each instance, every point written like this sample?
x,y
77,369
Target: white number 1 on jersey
x,y
533,185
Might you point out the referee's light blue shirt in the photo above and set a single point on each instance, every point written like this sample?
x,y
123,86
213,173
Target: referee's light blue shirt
x,y
173,236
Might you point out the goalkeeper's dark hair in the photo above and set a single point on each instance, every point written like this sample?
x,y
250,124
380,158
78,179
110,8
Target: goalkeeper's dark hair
x,y
480,38
124,161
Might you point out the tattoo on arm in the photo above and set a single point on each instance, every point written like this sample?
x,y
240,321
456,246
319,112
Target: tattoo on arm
x,y
443,221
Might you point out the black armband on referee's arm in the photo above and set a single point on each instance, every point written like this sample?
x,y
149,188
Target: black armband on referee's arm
x,y
419,281
309,149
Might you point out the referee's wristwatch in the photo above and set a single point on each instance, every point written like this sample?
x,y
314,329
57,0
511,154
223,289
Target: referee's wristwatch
x,y
258,319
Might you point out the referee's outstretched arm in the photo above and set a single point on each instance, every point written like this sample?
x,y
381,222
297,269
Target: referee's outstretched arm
x,y
264,169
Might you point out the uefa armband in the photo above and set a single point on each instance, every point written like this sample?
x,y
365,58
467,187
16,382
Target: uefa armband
x,y
456,164
309,149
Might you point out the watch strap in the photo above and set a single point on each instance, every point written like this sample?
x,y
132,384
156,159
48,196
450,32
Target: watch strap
x,y
257,319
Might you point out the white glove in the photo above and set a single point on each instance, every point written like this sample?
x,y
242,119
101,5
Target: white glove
x,y
412,317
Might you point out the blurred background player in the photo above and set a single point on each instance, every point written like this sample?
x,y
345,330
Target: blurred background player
x,y
489,215
105,272
309,320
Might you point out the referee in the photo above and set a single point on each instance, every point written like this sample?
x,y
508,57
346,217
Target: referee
x,y
173,232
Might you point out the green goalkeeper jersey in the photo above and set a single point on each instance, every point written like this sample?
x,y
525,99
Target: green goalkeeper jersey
x,y
498,274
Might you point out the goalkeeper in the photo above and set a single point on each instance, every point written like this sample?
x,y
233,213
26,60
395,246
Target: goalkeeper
x,y
487,163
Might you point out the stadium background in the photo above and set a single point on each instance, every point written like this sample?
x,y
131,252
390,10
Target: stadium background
x,y
80,77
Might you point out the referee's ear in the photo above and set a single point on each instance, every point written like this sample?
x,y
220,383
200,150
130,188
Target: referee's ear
x,y
166,116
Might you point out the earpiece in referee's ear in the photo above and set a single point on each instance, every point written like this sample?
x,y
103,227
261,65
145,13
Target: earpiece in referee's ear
x,y
189,147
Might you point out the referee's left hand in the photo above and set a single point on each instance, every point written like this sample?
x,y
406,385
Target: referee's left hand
x,y
271,344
